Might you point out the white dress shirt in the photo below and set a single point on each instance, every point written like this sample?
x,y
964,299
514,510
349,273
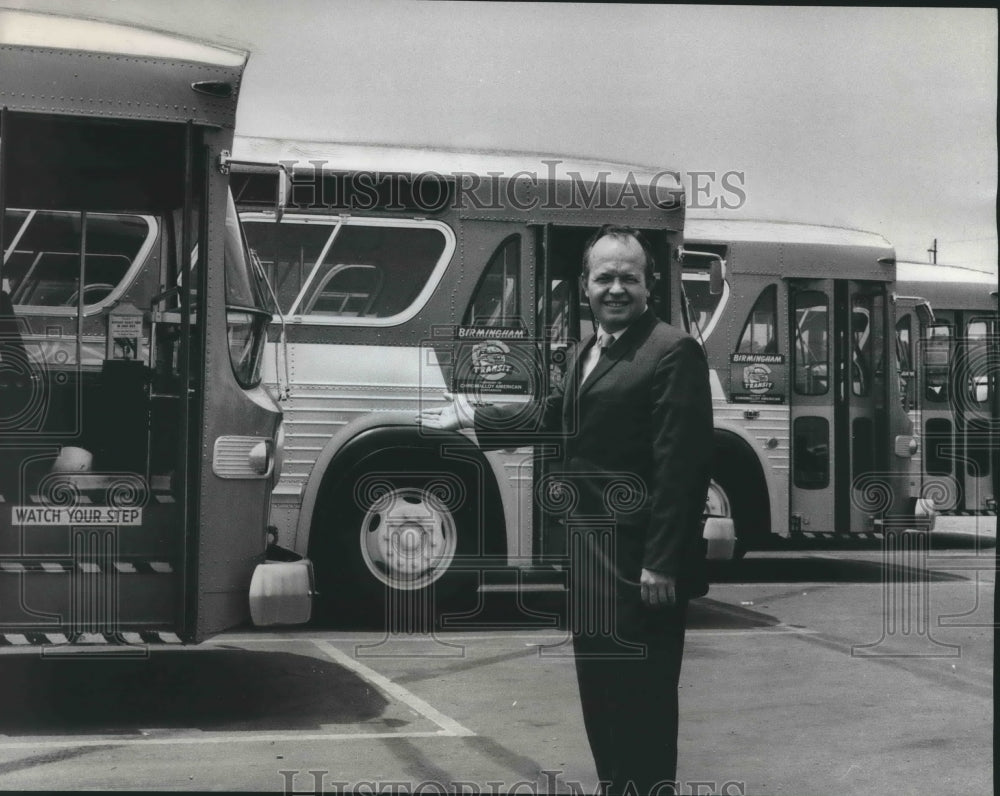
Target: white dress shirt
x,y
604,341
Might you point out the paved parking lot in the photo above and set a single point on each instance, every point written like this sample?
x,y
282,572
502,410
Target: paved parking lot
x,y
810,670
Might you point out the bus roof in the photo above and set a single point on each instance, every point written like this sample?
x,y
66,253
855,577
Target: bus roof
x,y
352,157
948,287
85,67
722,230
791,250
49,31
525,187
938,272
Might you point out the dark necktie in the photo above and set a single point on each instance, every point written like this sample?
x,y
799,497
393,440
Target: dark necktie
x,y
602,344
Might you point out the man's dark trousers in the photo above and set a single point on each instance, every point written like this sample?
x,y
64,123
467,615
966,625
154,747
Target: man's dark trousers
x,y
628,662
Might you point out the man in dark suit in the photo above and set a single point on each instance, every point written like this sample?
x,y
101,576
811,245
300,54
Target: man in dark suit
x,y
635,422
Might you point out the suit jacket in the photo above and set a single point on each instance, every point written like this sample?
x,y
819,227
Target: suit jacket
x,y
643,418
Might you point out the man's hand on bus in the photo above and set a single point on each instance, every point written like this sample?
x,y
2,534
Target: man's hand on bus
x,y
658,590
454,415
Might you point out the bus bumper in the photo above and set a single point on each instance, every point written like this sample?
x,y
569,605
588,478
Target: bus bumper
x,y
281,593
720,534
925,514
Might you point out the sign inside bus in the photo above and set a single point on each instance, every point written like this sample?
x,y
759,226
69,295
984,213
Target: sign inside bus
x,y
493,361
758,378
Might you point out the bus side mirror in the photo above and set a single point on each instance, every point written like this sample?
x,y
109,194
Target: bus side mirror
x,y
716,276
924,313
716,268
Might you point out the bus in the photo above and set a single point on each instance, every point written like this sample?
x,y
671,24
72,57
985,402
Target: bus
x,y
952,391
138,447
810,432
404,274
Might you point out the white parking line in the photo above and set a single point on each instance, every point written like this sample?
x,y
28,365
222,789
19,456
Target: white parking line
x,y
243,737
394,690
449,728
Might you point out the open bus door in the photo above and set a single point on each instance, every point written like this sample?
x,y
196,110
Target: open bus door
x,y
137,448
913,315
838,407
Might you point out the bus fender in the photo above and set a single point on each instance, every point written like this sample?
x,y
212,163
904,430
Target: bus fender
x,y
751,491
375,433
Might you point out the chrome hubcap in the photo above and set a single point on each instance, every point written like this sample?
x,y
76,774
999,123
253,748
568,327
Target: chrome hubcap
x,y
408,538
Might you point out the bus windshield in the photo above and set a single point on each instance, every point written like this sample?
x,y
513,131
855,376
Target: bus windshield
x,y
247,311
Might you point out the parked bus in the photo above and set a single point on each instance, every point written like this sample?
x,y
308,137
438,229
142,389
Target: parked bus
x,y
810,432
404,274
138,447
953,392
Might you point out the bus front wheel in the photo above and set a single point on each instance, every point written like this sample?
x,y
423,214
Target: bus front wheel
x,y
394,537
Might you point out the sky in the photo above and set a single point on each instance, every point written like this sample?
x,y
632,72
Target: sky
x,y
879,119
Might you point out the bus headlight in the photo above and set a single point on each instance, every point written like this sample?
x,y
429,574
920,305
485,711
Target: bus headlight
x,y
243,457
260,457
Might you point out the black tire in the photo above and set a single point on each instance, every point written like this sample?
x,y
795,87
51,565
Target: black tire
x,y
393,542
738,491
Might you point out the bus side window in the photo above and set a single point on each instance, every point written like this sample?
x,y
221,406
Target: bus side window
x,y
496,302
374,271
937,356
347,289
760,332
812,339
288,252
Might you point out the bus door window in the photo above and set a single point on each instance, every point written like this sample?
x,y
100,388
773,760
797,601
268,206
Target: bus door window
x,y
937,356
861,348
563,310
867,341
904,361
812,343
978,386
812,424
812,452
978,421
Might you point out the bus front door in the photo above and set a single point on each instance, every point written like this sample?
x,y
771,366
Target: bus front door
x,y
956,397
838,406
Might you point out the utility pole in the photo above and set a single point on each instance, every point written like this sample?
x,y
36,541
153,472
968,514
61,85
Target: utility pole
x,y
932,251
